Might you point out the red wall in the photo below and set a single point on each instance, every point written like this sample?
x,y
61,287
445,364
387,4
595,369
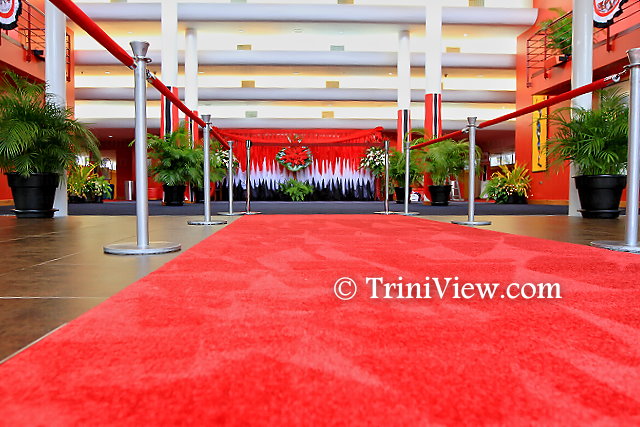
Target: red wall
x,y
553,185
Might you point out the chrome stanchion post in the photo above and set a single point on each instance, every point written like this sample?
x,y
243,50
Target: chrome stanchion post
x,y
407,176
630,243
386,179
230,183
472,177
207,176
248,179
142,245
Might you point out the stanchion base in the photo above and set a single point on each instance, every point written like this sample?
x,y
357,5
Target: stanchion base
x,y
616,246
406,213
252,213
154,248
206,222
385,213
471,223
231,213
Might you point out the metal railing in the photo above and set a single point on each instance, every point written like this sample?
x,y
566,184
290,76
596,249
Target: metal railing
x,y
551,45
547,46
30,35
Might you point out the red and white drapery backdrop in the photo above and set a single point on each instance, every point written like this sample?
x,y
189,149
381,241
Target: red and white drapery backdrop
x,y
335,171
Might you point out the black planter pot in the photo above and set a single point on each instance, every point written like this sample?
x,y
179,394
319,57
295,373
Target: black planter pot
x,y
76,199
197,194
173,195
33,196
600,195
440,195
516,199
399,191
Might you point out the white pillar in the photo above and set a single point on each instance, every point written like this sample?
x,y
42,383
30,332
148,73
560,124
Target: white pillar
x,y
55,76
191,69
433,68
404,85
404,70
581,74
169,21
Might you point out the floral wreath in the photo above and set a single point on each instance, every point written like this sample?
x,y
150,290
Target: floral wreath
x,y
296,157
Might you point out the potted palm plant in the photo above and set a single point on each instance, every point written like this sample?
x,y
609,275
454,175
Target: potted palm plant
x,y
217,169
397,166
596,142
174,164
39,141
444,160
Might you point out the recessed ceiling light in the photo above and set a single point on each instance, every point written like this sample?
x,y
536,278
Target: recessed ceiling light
x,y
200,72
391,74
465,35
297,30
296,72
107,72
241,30
110,136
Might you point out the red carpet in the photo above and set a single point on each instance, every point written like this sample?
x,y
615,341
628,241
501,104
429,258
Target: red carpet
x,y
245,328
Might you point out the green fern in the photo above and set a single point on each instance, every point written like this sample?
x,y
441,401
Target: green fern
x,y
447,158
295,189
595,140
37,135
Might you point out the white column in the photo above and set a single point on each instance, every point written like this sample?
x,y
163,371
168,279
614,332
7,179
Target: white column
x,y
433,68
169,21
191,69
55,76
404,70
581,74
404,86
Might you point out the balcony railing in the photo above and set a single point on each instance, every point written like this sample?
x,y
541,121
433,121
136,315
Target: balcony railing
x,y
551,45
30,31
30,35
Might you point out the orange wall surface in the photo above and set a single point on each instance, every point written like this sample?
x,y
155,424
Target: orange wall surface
x,y
553,184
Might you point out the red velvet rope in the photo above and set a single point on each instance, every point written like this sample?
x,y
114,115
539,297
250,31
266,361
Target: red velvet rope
x,y
82,19
598,84
79,17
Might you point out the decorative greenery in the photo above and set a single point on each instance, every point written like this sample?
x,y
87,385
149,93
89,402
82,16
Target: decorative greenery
x,y
295,157
448,158
559,31
85,183
222,158
397,166
595,140
374,161
174,161
507,182
37,135
295,189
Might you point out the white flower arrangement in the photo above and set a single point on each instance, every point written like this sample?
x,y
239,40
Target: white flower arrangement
x,y
374,161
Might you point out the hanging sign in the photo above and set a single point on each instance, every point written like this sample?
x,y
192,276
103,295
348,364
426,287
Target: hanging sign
x,y
605,10
10,10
